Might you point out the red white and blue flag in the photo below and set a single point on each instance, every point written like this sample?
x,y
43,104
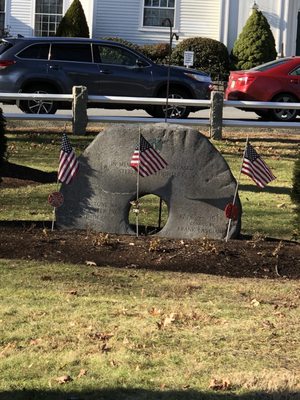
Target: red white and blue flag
x,y
68,163
146,160
254,166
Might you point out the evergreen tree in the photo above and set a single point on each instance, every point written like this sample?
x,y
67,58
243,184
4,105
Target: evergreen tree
x,y
73,23
2,140
255,44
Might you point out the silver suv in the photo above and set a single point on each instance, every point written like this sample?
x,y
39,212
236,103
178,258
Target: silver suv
x,y
55,65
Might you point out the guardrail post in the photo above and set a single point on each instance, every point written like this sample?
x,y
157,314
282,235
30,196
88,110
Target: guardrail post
x,y
216,115
79,110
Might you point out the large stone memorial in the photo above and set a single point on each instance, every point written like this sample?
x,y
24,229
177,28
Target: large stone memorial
x,y
196,185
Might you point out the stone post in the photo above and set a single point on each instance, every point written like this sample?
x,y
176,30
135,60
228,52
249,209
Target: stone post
x,y
216,115
79,110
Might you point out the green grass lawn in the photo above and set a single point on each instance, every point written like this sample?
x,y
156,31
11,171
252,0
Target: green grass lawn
x,y
268,212
84,333
165,335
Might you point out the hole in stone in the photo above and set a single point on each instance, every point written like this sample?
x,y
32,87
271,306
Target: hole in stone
x,y
152,214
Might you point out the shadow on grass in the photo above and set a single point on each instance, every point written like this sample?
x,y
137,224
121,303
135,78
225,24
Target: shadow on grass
x,y
11,170
141,394
267,189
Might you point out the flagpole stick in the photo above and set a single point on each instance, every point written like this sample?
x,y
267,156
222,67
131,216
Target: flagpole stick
x,y
54,210
138,188
236,190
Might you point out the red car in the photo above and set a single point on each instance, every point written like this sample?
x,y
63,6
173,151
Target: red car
x,y
278,80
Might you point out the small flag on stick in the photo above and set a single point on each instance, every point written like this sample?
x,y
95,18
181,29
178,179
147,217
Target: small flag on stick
x,y
68,163
256,168
146,160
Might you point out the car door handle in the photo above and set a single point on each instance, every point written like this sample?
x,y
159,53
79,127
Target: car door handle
x,y
105,71
294,81
54,67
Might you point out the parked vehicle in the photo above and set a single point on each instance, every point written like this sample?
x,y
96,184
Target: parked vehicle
x,y
277,81
54,65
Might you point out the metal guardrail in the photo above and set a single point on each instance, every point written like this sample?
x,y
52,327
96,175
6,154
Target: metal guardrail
x,y
151,101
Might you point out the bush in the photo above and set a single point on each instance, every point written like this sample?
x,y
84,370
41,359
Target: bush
x,y
73,23
255,44
2,140
295,195
123,41
210,56
158,52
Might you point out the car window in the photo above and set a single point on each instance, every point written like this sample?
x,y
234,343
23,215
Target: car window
x,y
71,52
114,55
37,51
271,64
296,71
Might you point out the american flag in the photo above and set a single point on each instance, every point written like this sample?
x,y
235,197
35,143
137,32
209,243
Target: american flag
x,y
68,164
146,160
256,168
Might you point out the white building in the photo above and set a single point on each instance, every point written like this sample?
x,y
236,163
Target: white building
x,y
140,21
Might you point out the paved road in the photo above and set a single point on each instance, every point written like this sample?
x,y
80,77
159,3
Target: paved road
x,y
229,113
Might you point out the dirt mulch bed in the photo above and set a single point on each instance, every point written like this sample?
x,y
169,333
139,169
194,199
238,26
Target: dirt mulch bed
x,y
247,257
236,258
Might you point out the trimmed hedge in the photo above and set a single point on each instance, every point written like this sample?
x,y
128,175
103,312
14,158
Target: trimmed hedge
x,y
123,41
210,56
158,52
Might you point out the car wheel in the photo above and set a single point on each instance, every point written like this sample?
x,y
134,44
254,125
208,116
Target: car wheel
x,y
39,106
173,111
284,115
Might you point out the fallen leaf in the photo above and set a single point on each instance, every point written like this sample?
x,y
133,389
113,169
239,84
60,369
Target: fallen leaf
x,y
90,263
105,348
82,372
220,384
154,311
73,292
282,205
255,303
167,321
63,379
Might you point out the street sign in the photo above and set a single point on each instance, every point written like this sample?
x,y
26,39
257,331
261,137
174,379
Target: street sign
x,y
188,58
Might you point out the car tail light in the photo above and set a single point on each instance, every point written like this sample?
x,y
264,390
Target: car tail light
x,y
245,80
6,63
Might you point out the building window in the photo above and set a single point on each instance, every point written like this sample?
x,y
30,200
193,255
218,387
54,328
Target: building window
x,y
2,17
156,11
48,14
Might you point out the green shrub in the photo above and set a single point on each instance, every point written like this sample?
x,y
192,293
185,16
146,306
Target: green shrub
x,y
295,195
123,41
2,140
73,24
158,52
255,44
210,56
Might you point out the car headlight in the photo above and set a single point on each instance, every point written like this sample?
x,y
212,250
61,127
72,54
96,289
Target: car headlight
x,y
198,77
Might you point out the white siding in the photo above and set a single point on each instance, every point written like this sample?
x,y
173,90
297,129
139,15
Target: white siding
x,y
20,17
118,19
199,18
115,18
